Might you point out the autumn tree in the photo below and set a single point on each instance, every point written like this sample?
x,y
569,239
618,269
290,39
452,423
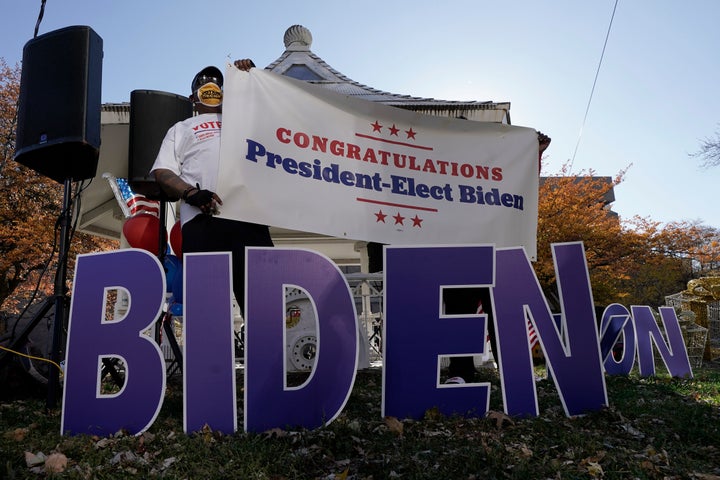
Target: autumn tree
x,y
635,261
663,263
30,205
573,208
706,250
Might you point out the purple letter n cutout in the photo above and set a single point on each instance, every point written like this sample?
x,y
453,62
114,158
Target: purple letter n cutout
x,y
90,338
574,361
674,353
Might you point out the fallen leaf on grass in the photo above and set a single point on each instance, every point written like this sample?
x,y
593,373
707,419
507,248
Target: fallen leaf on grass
x,y
275,432
34,459
648,465
633,431
433,414
354,425
525,451
104,442
519,449
146,438
595,470
207,434
17,435
128,458
56,463
394,425
499,418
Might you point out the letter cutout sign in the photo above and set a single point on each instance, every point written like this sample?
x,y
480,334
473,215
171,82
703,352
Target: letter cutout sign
x,y
640,331
416,333
209,380
90,338
616,323
674,354
269,403
574,361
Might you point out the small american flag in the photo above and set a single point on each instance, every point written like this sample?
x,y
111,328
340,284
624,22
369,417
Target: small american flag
x,y
532,334
132,203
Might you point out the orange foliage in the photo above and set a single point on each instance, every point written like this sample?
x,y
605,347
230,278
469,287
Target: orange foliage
x,y
29,208
636,261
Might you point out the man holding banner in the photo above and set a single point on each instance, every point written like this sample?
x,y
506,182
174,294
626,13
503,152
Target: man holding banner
x,y
187,167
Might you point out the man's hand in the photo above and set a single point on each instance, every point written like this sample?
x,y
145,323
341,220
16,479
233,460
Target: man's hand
x,y
245,64
205,200
544,141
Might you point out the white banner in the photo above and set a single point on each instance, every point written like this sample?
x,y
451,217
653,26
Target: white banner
x,y
297,156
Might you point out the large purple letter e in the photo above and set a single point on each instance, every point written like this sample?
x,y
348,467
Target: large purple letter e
x,y
417,333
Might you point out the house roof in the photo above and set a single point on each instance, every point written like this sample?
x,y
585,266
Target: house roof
x,y
299,62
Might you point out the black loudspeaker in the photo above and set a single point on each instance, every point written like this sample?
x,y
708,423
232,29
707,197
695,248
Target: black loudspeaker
x,y
152,113
58,130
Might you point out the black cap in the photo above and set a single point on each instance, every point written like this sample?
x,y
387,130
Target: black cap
x,y
207,74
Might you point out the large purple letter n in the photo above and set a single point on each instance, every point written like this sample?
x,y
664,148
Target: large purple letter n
x,y
572,353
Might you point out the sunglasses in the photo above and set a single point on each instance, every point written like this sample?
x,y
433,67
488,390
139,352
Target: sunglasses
x,y
203,79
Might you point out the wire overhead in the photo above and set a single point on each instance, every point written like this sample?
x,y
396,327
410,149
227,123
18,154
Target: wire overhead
x,y
597,73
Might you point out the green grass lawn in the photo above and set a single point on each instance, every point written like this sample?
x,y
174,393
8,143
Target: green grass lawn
x,y
659,428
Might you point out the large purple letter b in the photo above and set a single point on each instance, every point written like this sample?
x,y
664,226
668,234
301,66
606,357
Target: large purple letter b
x,y
90,338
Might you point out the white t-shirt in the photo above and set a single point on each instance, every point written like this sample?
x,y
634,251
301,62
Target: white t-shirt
x,y
191,150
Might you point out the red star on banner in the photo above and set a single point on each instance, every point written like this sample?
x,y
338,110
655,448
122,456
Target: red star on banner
x,y
399,219
380,217
394,130
417,221
410,133
376,126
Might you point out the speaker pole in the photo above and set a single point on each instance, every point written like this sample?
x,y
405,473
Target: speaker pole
x,y
59,294
165,322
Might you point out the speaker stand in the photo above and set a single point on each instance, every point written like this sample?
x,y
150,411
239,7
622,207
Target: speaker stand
x,y
58,300
60,291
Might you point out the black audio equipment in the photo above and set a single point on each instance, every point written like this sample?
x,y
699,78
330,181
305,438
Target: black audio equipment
x,y
58,129
152,113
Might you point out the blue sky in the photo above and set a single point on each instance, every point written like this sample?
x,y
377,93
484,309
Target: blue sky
x,y
657,95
